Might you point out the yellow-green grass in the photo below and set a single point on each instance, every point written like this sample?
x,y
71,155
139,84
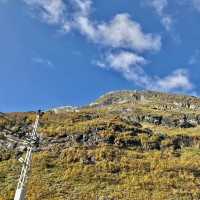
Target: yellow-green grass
x,y
117,174
173,131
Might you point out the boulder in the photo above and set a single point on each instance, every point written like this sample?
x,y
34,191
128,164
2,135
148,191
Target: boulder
x,y
186,124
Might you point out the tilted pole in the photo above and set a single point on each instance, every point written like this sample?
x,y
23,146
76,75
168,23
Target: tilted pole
x,y
21,187
20,192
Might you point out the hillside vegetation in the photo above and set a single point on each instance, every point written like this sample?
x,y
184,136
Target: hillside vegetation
x,y
130,145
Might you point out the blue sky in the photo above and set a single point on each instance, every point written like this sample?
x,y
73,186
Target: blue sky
x,y
69,52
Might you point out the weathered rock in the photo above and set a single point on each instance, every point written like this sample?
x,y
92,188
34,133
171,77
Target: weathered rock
x,y
128,143
187,125
88,160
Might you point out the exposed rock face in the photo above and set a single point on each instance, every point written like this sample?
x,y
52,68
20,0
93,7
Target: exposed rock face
x,y
123,116
167,101
154,119
166,121
65,109
134,136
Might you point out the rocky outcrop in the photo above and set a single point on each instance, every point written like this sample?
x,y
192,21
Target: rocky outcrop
x,y
167,101
120,135
172,122
121,114
64,109
153,119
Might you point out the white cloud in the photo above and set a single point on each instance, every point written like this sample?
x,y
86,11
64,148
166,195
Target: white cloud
x,y
130,65
121,32
160,6
126,33
99,63
56,11
82,7
124,61
167,22
50,11
87,28
179,79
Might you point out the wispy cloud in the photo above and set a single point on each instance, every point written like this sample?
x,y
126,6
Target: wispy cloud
x,y
120,32
82,7
159,6
124,39
196,4
195,58
122,61
50,11
178,80
130,65
60,12
126,33
127,63
43,62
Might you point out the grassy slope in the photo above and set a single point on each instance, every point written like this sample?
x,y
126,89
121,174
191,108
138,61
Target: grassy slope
x,y
118,173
